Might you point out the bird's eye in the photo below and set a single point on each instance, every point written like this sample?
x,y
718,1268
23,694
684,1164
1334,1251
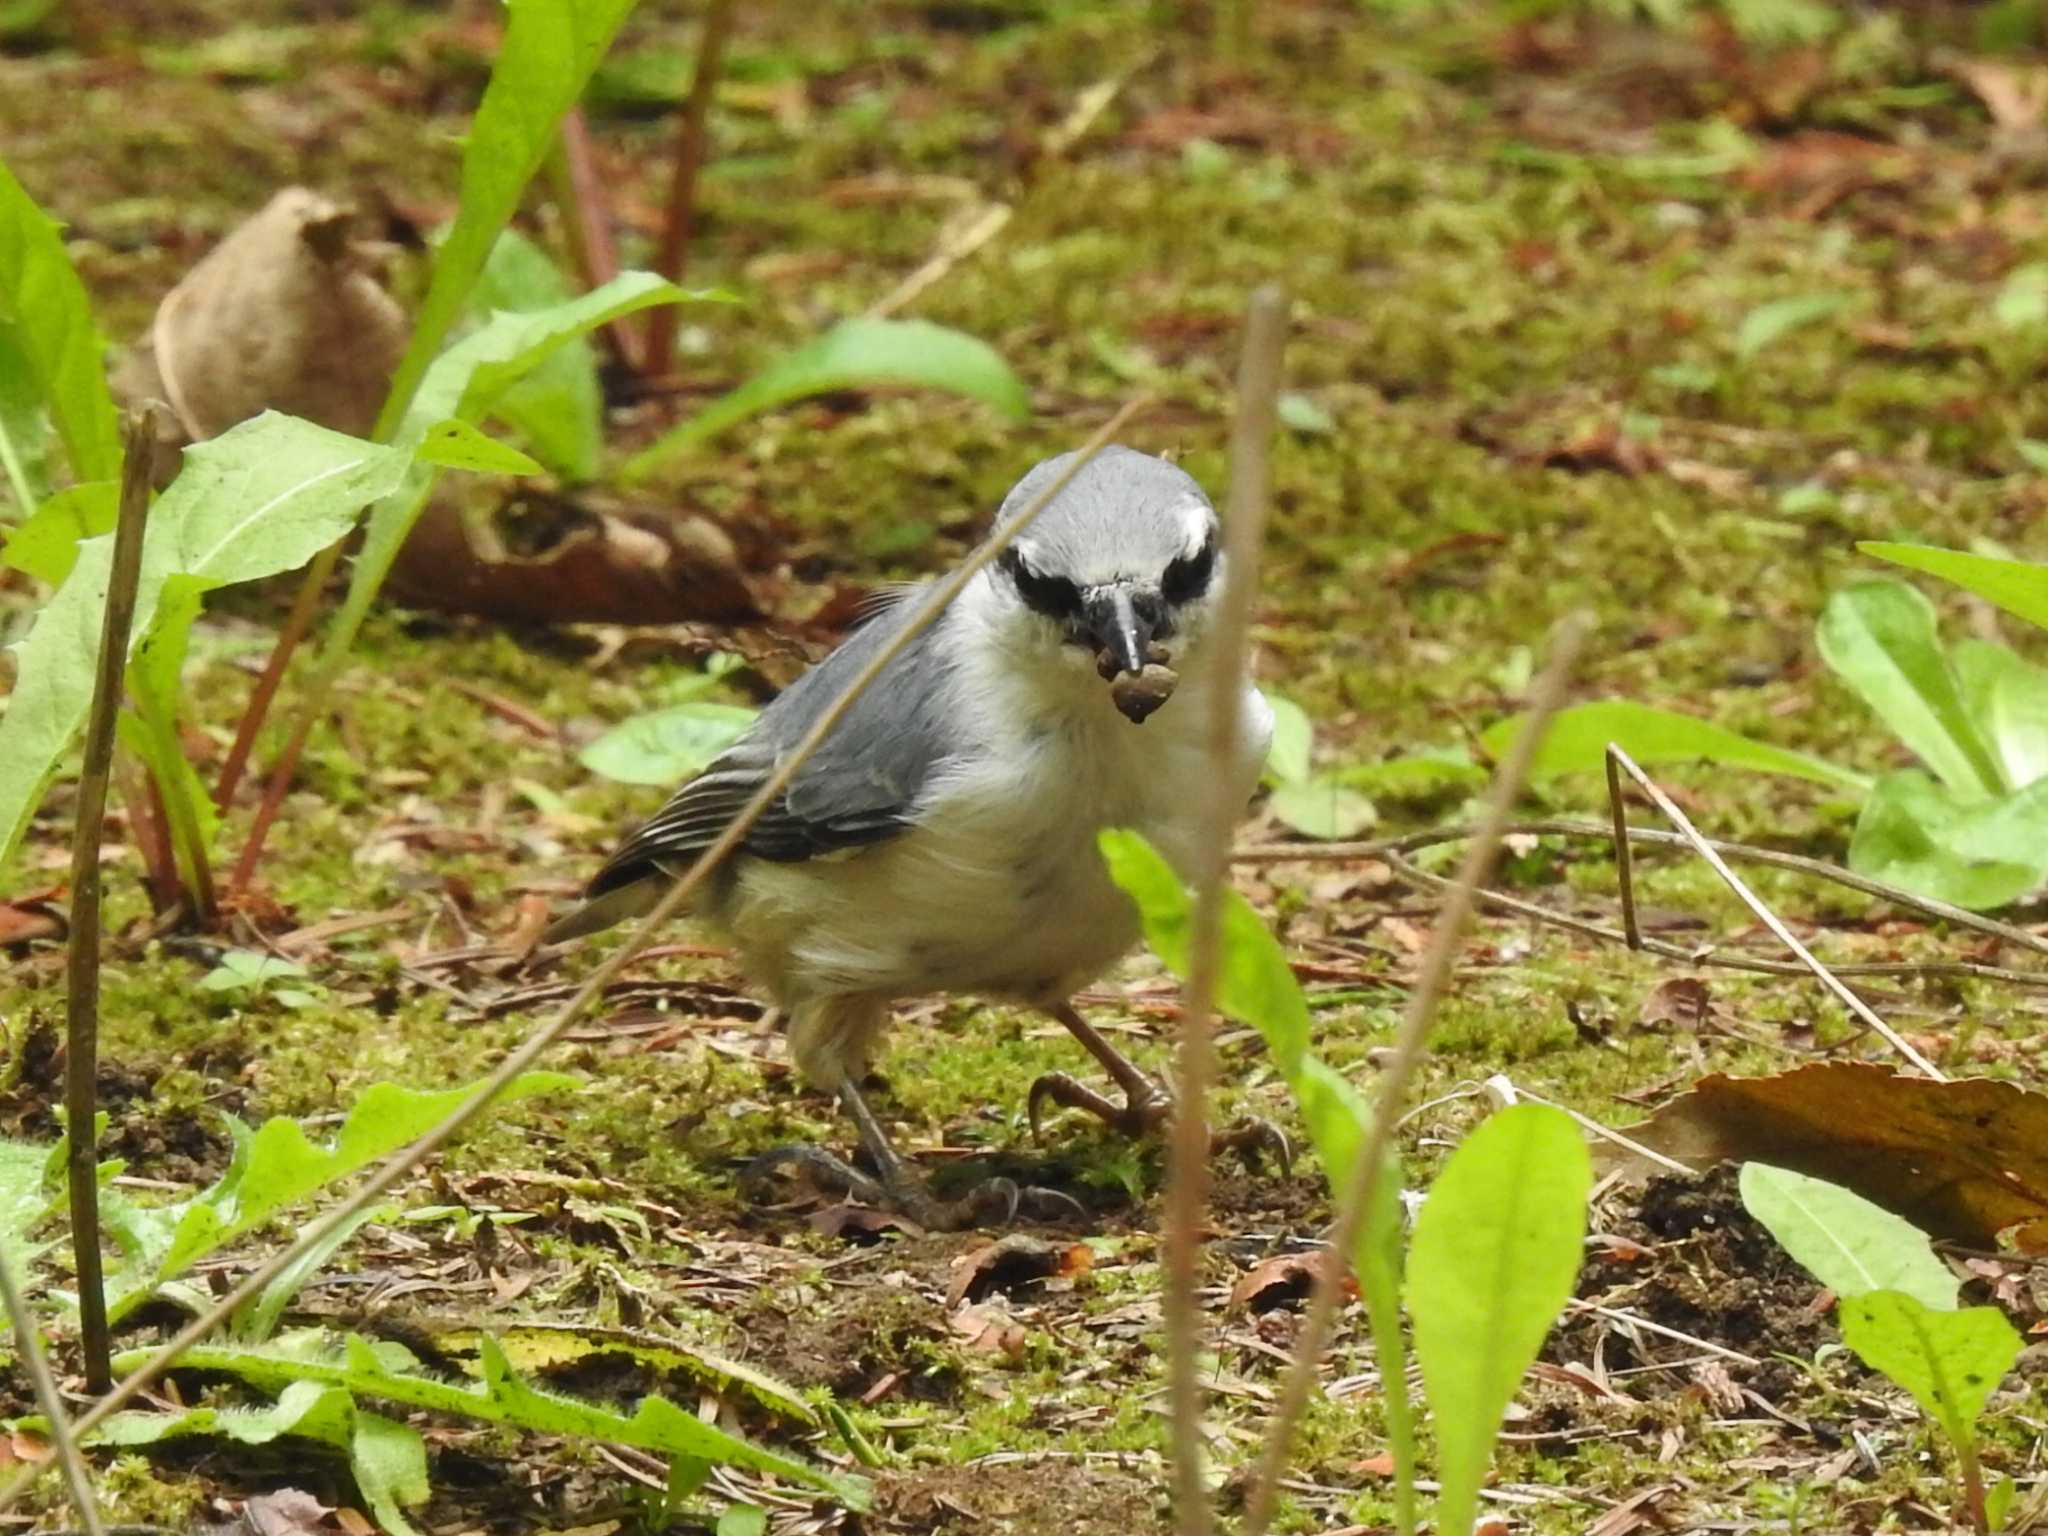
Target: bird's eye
x,y
1054,596
1188,577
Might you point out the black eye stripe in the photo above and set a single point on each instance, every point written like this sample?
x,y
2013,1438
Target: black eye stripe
x,y
1053,596
1188,577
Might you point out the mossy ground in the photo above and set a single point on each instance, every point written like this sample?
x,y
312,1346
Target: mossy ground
x,y
1519,258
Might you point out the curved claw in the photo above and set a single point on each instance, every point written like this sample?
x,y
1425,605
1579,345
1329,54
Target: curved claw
x,y
1255,1134
846,1180
1052,1204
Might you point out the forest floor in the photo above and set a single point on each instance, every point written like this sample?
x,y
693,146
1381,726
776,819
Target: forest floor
x,y
1520,259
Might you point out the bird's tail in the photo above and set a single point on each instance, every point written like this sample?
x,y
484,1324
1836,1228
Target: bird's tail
x,y
601,912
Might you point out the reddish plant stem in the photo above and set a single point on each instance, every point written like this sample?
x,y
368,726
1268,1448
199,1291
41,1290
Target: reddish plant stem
x,y
674,254
296,623
586,223
144,805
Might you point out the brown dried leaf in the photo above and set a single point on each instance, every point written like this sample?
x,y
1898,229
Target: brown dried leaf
x,y
2014,93
286,1512
1964,1160
1012,1263
1282,1280
285,314
860,1223
32,917
992,1332
1685,1001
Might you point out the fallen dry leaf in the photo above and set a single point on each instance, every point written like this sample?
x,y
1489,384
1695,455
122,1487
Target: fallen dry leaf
x,y
991,1332
286,1512
1281,1280
1685,1001
2014,93
1964,1160
860,1223
32,917
1012,1263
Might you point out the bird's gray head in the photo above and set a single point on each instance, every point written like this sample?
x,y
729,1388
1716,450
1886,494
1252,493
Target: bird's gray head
x,y
1123,565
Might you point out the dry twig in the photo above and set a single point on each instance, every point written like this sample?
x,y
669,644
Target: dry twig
x,y
29,1346
691,133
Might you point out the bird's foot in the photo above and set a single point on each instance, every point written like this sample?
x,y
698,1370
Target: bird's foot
x,y
995,1202
1147,1110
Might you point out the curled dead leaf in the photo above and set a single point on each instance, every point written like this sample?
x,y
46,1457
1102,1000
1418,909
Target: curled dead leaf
x,y
1012,1264
990,1331
1283,1280
1684,1001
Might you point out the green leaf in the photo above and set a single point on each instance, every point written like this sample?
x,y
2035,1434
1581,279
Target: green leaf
x,y
855,354
279,1165
1415,775
558,407
257,1318
743,1520
1950,1361
248,970
264,497
1771,322
1300,413
1578,737
389,1461
1376,1260
24,431
1294,736
1880,638
1913,833
46,545
26,1200
2020,587
667,746
1496,1248
2008,699
465,384
50,325
2022,301
455,444
389,1372
309,1409
1848,1244
550,49
1322,807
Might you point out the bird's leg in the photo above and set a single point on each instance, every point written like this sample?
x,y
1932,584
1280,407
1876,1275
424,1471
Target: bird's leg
x,y
1147,1105
897,1187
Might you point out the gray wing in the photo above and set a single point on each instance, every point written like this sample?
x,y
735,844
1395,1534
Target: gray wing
x,y
859,787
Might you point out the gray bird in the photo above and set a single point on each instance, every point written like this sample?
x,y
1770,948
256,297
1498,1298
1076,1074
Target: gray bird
x,y
943,838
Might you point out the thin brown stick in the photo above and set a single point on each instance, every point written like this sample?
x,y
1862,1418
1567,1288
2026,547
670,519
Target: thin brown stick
x,y
1355,1185
28,1345
304,604
1312,853
1768,918
140,800
1624,858
1413,874
535,1045
1187,1189
586,224
82,970
692,132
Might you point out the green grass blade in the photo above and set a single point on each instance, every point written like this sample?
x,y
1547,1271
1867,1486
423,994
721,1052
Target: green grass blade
x,y
551,47
50,319
2020,587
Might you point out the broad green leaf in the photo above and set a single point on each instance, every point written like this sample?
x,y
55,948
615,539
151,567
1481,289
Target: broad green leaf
x,y
465,384
26,1199
456,444
1496,1248
1950,1361
743,1520
1844,1241
558,407
279,1165
2020,587
389,1462
1288,759
551,1346
2008,698
388,1372
667,746
46,546
1880,638
50,323
264,497
550,49
1302,413
1781,317
24,430
309,1409
1416,775
1578,738
855,354
1322,807
1908,835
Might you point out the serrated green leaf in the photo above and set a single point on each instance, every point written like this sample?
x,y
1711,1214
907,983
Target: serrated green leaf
x,y
1844,1241
51,324
1771,322
667,746
1913,833
550,49
1880,638
855,354
46,545
1495,1250
2020,587
264,497
308,1409
1577,743
1950,1361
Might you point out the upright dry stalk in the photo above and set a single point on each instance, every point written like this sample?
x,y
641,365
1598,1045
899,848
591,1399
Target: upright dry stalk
x,y
1355,1185
1187,1190
580,196
691,133
82,991
29,1345
536,1044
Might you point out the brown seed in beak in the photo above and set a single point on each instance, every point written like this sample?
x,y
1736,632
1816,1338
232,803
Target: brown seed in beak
x,y
1137,694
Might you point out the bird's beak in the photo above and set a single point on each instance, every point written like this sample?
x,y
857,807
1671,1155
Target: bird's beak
x,y
1120,633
